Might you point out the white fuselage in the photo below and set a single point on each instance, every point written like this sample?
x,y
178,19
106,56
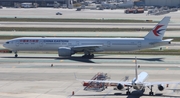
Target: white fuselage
x,y
52,44
138,83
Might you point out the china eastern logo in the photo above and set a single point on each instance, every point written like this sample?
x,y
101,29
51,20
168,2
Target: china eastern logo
x,y
157,31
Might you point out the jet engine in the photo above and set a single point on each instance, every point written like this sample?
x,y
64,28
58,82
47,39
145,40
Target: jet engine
x,y
160,87
65,51
120,86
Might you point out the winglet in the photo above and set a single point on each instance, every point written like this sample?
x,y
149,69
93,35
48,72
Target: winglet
x,y
157,33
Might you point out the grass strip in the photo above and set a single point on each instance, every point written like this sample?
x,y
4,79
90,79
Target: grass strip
x,y
176,39
79,29
16,19
149,52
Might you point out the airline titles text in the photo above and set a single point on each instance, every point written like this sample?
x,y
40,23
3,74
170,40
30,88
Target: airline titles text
x,y
56,41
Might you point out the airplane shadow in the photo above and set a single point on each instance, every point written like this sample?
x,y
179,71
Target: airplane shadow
x,y
134,94
80,59
143,59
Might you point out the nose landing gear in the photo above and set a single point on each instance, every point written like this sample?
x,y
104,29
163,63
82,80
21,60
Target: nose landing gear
x,y
151,93
128,92
16,55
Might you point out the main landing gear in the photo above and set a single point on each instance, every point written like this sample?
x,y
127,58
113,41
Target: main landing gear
x,y
151,93
88,55
128,92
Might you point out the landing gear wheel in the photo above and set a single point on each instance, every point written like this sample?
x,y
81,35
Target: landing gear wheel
x,y
143,90
91,56
16,55
151,93
88,56
128,93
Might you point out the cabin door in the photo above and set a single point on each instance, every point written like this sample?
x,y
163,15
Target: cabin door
x,y
41,43
139,44
17,43
108,44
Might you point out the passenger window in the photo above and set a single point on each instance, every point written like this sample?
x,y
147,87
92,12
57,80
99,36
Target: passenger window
x,y
7,42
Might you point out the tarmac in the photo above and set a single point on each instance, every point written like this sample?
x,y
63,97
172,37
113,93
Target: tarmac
x,y
31,75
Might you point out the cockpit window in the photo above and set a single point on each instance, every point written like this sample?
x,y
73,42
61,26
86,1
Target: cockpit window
x,y
7,42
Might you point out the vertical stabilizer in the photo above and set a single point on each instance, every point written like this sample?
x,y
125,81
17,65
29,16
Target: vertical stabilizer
x,y
136,66
157,33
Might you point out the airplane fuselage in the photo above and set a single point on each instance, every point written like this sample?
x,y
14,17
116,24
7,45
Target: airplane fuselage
x,y
52,44
138,84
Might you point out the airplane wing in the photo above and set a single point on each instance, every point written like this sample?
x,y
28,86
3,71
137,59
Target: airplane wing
x,y
158,83
108,82
105,81
129,83
90,48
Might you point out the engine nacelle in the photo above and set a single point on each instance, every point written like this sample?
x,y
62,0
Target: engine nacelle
x,y
120,86
160,87
65,51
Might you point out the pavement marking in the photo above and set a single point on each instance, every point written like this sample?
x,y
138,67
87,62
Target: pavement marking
x,y
107,93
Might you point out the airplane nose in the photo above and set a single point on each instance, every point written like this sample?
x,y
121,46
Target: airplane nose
x,y
4,45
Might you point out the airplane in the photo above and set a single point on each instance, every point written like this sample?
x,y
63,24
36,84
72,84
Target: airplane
x,y
138,83
66,47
